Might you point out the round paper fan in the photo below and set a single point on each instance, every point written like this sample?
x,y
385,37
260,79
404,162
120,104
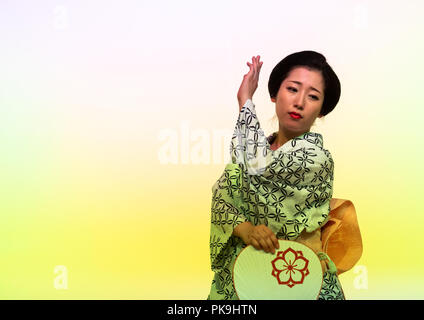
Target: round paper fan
x,y
293,272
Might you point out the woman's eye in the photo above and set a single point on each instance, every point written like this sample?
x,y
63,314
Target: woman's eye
x,y
314,97
292,89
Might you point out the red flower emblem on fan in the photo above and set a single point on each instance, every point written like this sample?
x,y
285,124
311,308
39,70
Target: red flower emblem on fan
x,y
290,267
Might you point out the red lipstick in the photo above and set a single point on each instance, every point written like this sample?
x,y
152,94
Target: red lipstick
x,y
295,115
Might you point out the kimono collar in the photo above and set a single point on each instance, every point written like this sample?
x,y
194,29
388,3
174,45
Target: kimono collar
x,y
311,137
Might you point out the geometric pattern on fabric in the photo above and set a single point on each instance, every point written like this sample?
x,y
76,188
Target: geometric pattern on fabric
x,y
288,189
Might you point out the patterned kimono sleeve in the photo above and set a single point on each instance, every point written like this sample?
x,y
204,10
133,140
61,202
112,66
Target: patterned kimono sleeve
x,y
319,190
226,213
248,144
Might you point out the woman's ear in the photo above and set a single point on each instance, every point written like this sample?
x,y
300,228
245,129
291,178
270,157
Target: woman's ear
x,y
273,99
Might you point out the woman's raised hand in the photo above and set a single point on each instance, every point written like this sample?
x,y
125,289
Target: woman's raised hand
x,y
250,81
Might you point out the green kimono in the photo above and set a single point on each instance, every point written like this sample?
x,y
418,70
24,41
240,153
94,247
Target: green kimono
x,y
288,190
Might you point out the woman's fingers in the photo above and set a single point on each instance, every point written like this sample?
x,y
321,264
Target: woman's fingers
x,y
250,81
275,241
264,239
250,69
272,238
257,241
268,245
255,244
255,67
258,65
262,245
268,236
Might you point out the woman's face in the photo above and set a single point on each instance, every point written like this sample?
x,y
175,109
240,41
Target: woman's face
x,y
301,92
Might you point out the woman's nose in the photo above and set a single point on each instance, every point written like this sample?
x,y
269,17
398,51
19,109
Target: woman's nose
x,y
300,100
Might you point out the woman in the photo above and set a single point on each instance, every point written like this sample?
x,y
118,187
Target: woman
x,y
278,187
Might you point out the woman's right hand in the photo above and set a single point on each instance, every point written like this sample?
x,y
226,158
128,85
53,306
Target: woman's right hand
x,y
250,81
260,237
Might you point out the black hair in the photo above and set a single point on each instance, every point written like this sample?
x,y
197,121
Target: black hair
x,y
312,60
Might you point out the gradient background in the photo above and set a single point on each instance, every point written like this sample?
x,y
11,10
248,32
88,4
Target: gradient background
x,y
94,93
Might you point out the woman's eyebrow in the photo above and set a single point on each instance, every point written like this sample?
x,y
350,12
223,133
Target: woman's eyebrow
x,y
297,82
